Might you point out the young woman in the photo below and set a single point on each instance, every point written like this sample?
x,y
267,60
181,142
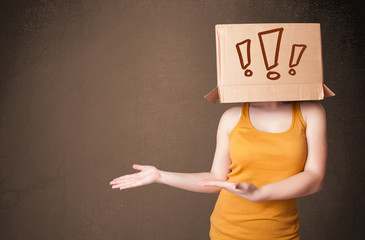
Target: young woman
x,y
267,155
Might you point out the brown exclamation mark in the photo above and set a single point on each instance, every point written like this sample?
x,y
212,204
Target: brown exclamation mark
x,y
270,51
243,49
296,53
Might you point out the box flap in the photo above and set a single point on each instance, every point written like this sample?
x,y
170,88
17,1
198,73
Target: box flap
x,y
327,92
212,96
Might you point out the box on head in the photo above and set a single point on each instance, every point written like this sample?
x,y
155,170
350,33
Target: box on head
x,y
268,62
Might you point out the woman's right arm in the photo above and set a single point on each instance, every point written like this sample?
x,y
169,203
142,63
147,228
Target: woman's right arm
x,y
188,181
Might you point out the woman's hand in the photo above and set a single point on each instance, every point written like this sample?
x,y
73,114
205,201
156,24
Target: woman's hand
x,y
245,189
147,175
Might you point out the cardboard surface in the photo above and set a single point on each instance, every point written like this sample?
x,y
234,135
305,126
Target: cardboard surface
x,y
268,62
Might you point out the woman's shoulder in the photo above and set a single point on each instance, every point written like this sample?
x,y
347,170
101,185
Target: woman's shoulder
x,y
230,117
312,111
232,113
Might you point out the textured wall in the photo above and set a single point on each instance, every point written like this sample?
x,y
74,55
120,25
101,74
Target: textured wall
x,y
90,87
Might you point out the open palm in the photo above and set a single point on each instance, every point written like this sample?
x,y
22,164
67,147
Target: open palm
x,y
243,189
147,175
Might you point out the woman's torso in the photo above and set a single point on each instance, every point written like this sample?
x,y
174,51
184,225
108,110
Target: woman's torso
x,y
261,158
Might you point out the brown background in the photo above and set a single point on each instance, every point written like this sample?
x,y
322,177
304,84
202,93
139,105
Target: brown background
x,y
90,87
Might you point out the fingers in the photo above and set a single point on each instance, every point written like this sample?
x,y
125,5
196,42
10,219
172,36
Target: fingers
x,y
234,187
121,183
210,183
127,182
243,186
122,178
246,187
126,178
129,186
133,175
147,175
219,184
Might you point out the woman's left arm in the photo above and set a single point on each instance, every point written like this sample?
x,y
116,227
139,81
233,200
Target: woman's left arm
x,y
309,181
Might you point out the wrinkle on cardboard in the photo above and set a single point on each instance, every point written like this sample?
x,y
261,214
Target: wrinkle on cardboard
x,y
268,62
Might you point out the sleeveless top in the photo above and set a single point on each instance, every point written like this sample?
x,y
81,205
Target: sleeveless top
x,y
260,158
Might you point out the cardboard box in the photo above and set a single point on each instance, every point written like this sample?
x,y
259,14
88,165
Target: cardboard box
x,y
268,62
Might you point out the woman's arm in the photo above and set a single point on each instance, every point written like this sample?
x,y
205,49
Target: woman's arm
x,y
150,174
307,182
311,179
188,181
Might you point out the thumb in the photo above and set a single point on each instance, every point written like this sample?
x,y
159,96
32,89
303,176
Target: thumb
x,y
246,186
138,167
235,185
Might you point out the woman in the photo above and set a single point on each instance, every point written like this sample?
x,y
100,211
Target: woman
x,y
267,155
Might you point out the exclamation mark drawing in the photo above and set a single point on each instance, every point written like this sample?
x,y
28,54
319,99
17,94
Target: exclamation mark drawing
x,y
243,49
296,54
270,51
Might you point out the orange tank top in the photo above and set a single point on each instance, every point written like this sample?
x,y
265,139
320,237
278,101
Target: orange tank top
x,y
260,158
